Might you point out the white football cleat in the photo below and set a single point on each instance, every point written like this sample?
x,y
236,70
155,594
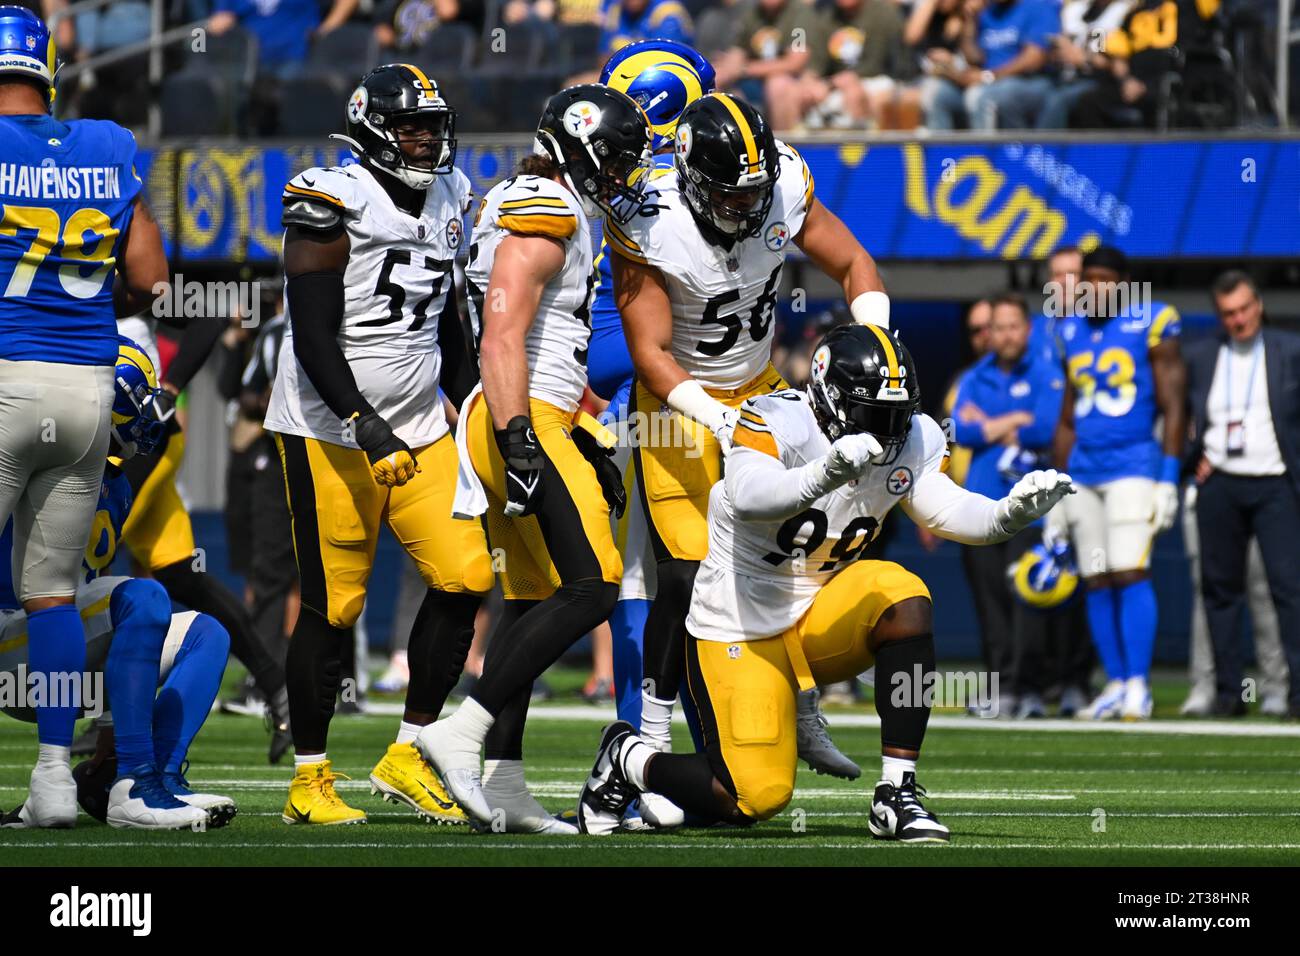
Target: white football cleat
x,y
898,814
221,810
1137,700
607,793
660,813
458,766
815,745
51,802
143,802
1107,705
514,809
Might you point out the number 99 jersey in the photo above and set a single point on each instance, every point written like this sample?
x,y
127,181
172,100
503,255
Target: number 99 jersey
x,y
723,301
761,576
557,341
397,282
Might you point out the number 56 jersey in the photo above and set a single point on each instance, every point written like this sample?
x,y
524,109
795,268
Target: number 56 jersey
x,y
723,300
397,282
761,576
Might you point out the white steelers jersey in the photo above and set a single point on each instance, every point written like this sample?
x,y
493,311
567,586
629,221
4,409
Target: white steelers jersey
x,y
398,277
723,301
561,330
761,576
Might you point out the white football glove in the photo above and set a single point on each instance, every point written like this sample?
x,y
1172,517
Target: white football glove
x,y
1032,497
1166,506
724,428
849,457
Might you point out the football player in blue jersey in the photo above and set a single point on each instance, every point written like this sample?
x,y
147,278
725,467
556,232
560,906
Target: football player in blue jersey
x,y
1123,369
134,640
77,245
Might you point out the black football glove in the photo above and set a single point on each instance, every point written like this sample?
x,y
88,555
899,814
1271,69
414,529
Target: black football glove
x,y
391,461
525,462
607,473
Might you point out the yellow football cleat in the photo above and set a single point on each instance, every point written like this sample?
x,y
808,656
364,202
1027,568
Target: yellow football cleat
x,y
403,775
312,798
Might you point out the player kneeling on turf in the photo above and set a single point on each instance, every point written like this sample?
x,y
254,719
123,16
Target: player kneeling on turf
x,y
783,601
136,642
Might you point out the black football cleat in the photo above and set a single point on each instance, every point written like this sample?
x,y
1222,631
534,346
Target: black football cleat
x,y
94,779
897,814
607,793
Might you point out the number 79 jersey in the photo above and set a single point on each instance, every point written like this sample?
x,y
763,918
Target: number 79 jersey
x,y
761,576
556,344
396,284
723,301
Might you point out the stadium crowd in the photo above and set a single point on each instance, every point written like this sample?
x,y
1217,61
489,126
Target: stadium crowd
x,y
828,64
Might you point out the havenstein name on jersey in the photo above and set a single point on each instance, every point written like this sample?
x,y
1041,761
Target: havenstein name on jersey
x,y
60,182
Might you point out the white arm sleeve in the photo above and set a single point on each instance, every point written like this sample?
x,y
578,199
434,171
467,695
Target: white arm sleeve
x,y
952,512
763,489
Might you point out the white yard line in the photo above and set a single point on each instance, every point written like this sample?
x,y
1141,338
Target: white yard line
x,y
631,843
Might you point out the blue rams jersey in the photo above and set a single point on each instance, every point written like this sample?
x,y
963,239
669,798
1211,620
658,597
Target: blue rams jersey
x,y
66,196
608,363
660,20
1114,391
105,533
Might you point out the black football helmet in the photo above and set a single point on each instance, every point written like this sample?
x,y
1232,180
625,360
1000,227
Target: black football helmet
x,y
601,140
862,380
393,95
727,167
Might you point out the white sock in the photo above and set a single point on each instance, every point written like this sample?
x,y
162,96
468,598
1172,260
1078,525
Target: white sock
x,y
470,724
636,754
1139,682
657,722
893,768
504,777
53,755
406,733
300,759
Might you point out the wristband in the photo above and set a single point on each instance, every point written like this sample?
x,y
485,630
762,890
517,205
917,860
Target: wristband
x,y
1170,469
871,308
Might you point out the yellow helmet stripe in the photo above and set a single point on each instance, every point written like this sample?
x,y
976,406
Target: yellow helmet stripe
x,y
891,354
127,353
428,85
747,134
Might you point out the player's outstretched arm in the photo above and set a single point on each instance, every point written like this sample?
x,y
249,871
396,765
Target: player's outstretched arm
x,y
642,300
837,252
142,274
936,502
761,488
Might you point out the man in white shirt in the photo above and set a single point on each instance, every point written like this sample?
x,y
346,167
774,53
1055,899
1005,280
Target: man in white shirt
x,y
1244,389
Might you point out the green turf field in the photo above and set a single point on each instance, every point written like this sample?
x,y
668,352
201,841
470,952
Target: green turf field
x,y
1174,793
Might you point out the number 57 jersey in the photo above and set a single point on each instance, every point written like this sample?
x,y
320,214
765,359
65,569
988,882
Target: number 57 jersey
x,y
397,282
761,576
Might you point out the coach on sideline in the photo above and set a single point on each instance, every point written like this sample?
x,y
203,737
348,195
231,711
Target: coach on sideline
x,y
1244,390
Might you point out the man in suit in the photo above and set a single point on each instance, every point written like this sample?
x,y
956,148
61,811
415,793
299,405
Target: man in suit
x,y
1244,389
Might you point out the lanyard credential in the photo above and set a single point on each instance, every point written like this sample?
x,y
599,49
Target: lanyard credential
x,y
1256,352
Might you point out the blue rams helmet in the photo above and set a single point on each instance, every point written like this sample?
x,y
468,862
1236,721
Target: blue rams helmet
x,y
663,77
27,49
136,425
1045,576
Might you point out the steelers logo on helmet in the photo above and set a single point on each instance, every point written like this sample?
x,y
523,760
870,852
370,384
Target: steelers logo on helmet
x,y
684,140
776,236
581,118
357,104
820,360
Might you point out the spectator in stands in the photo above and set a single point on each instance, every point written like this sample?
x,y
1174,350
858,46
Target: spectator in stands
x,y
1076,52
856,60
1004,82
1244,392
284,28
625,21
769,57
933,33
404,25
1006,412
523,11
1139,56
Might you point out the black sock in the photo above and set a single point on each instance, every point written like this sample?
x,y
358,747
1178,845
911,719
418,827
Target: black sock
x,y
204,592
440,640
539,637
902,703
664,655
505,741
314,673
687,780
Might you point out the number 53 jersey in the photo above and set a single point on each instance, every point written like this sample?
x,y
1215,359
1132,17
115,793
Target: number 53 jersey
x,y
723,300
397,282
761,576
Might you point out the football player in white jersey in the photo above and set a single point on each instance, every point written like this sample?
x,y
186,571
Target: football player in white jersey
x,y
696,273
782,600
530,459
357,415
